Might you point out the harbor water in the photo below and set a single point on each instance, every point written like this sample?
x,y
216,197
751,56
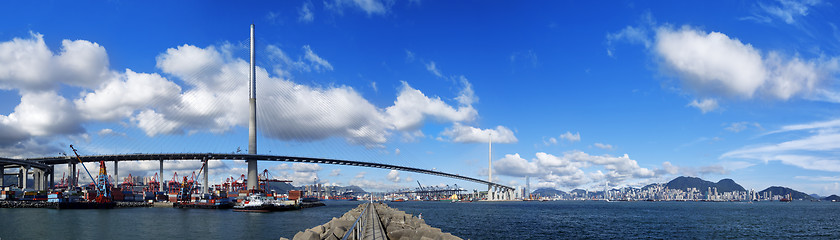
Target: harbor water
x,y
476,220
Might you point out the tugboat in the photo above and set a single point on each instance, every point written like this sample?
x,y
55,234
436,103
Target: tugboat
x,y
256,202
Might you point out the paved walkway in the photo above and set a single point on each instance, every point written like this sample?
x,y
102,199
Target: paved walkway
x,y
373,225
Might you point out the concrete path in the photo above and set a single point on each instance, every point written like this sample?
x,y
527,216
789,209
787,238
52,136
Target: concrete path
x,y
373,225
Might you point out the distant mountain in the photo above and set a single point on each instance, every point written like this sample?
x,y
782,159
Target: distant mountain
x,y
783,191
356,190
684,183
9,180
815,196
280,187
549,192
728,185
579,192
832,198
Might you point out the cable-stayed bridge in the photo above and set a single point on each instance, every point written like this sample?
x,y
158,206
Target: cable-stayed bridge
x,y
43,167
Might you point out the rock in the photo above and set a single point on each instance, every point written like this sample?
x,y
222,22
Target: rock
x,y
318,229
307,235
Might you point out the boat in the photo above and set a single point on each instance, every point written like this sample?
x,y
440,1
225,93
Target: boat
x,y
255,203
204,205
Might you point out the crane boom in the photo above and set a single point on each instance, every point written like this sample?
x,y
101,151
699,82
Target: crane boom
x,y
102,193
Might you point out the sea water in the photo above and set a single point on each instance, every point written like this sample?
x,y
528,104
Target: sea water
x,y
468,220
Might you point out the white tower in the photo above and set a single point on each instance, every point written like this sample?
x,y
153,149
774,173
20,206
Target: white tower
x,y
252,124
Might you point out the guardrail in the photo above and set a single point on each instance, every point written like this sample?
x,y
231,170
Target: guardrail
x,y
358,228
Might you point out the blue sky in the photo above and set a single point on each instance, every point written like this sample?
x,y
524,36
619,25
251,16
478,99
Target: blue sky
x,y
574,94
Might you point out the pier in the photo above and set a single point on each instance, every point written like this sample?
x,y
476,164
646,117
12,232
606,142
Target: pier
x,y
374,221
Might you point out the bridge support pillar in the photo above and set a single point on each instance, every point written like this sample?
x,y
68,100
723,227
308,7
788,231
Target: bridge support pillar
x,y
22,177
116,173
52,177
160,176
204,183
73,183
36,179
2,174
42,180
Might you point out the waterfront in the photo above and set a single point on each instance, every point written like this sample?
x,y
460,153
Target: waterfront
x,y
477,220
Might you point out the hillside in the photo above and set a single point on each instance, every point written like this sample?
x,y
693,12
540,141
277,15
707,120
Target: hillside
x,y
783,191
724,185
832,198
579,192
280,187
548,192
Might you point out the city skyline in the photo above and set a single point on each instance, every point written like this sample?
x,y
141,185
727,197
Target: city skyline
x,y
574,94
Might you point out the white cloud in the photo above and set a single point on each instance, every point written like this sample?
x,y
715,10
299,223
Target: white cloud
x,y
122,97
705,105
42,114
414,136
305,13
306,167
409,56
713,63
28,64
829,124
815,151
412,107
433,69
335,172
551,141
514,165
467,134
316,61
711,60
370,7
306,113
789,10
603,146
109,132
568,170
571,137
210,80
393,176
630,34
741,126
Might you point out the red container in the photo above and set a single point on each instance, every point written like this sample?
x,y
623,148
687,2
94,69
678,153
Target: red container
x,y
294,195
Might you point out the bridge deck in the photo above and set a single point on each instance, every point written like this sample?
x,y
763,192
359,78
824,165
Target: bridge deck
x,y
223,156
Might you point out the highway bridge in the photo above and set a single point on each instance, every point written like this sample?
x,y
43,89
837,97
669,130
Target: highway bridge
x,y
46,164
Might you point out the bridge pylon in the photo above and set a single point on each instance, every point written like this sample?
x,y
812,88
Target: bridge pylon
x,y
252,124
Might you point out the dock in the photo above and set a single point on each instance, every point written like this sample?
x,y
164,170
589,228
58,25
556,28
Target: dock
x,y
374,221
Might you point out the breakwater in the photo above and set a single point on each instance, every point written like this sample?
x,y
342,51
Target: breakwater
x,y
394,223
44,204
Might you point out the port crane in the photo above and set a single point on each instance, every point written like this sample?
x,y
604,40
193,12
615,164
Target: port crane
x,y
103,194
153,184
266,177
